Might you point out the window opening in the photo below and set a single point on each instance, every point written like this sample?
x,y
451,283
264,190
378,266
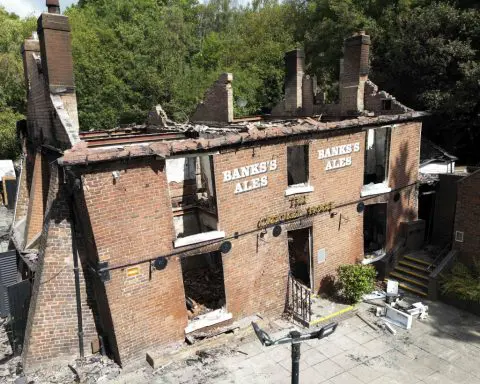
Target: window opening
x,y
374,228
387,104
192,191
203,282
299,252
376,155
297,165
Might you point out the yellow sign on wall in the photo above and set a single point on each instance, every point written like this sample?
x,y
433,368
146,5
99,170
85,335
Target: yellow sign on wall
x,y
134,271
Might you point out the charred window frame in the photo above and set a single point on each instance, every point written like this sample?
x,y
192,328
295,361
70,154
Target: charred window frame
x,y
297,165
377,155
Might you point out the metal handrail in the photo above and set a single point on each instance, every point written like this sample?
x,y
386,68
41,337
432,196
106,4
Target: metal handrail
x,y
440,256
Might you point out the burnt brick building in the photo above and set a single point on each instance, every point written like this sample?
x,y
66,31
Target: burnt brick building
x,y
141,235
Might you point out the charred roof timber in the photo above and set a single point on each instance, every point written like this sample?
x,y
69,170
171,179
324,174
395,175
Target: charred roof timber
x,y
53,6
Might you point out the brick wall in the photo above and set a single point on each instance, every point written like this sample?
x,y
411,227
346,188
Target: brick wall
x,y
56,48
22,203
52,327
256,270
131,220
217,104
36,205
374,101
444,209
354,73
466,219
403,171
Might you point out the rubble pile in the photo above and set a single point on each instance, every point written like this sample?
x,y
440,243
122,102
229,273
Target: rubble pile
x,y
89,370
6,217
204,290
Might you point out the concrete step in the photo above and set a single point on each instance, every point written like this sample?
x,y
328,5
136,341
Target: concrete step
x,y
417,260
402,277
413,289
416,273
409,264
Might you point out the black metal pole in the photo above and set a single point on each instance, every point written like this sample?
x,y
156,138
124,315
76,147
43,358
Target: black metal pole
x,y
76,273
295,335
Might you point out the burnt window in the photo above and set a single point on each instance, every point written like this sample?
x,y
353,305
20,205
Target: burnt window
x,y
376,155
374,228
192,192
387,104
297,165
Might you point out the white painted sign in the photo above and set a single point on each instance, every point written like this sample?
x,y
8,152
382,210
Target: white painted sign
x,y
338,150
250,170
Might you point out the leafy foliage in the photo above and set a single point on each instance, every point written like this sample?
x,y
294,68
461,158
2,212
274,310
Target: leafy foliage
x,y
12,86
9,147
131,55
463,282
355,281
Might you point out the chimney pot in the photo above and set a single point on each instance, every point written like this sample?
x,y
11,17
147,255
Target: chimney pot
x,y
56,51
53,6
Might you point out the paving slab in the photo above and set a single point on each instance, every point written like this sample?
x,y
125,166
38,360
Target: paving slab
x,y
344,378
328,369
444,348
365,373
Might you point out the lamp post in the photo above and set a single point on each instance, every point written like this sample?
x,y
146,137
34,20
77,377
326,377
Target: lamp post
x,y
294,338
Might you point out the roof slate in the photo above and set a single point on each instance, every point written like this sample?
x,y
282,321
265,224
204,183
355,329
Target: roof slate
x,y
81,154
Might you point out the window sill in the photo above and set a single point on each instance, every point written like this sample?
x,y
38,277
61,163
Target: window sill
x,y
198,238
208,319
296,189
374,189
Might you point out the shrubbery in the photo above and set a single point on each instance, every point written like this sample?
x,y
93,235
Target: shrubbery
x,y
463,282
355,281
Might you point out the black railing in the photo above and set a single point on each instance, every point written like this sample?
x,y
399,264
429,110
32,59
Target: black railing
x,y
299,301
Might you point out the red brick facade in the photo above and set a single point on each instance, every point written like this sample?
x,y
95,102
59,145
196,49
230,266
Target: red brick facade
x,y
132,222
52,328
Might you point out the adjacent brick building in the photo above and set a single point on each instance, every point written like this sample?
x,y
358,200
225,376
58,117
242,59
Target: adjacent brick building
x,y
178,228
467,213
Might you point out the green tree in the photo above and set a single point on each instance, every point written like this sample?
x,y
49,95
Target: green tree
x,y
12,84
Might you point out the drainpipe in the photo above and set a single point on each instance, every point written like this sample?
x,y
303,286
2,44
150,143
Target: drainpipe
x,y
76,273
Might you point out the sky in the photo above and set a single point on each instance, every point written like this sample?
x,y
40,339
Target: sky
x,y
24,8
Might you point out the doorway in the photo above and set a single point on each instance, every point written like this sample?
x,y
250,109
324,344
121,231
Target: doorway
x,y
299,254
374,228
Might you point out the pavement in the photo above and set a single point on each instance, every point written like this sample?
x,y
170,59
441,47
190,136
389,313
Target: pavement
x,y
444,348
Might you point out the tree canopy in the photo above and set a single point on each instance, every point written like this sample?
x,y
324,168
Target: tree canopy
x,y
131,55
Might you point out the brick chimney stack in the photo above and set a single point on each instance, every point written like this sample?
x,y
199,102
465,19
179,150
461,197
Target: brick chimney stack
x,y
56,49
354,73
53,6
295,69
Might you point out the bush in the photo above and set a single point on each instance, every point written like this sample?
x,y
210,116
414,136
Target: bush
x,y
355,281
463,282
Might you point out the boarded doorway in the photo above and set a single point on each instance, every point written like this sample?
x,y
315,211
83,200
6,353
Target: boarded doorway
x,y
204,289
299,252
374,228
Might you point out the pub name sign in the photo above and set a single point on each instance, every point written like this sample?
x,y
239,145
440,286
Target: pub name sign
x,y
255,169
339,150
